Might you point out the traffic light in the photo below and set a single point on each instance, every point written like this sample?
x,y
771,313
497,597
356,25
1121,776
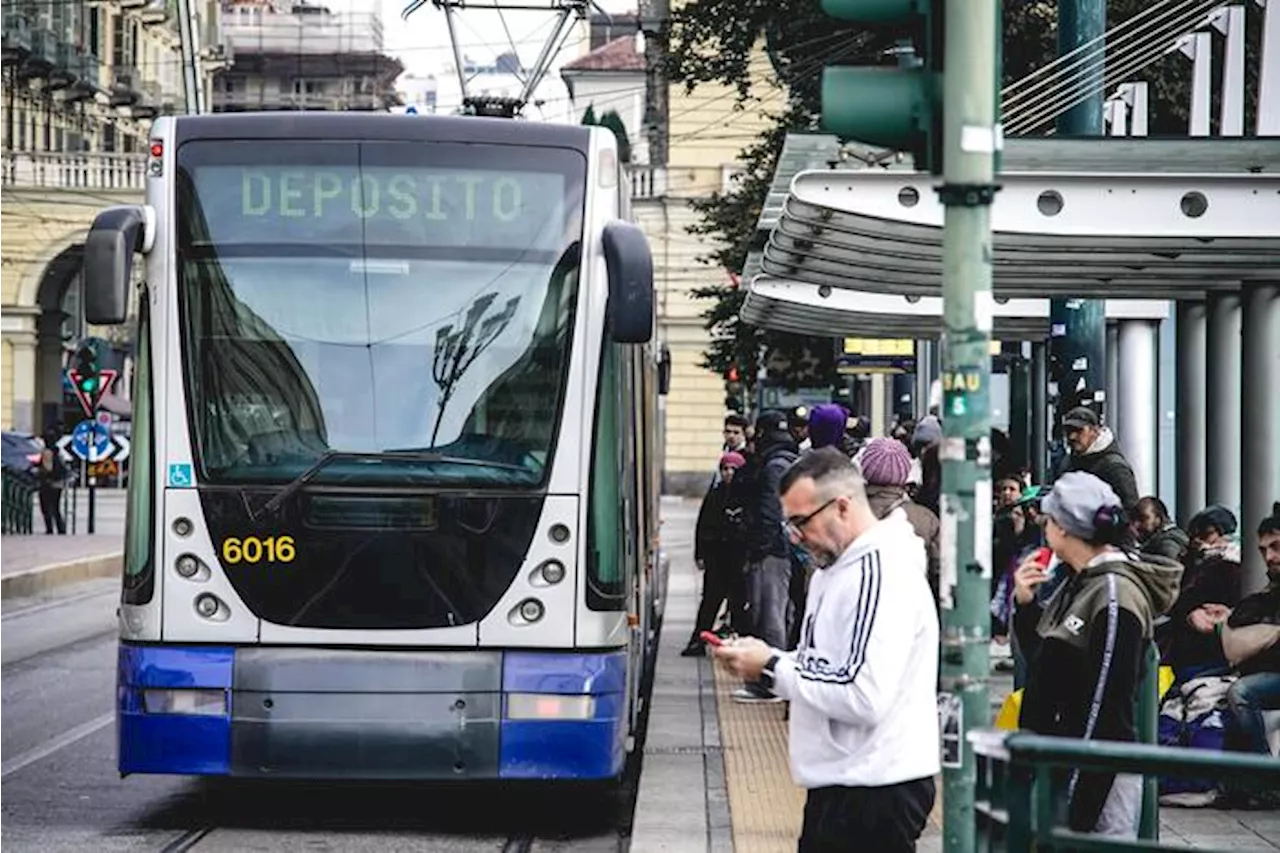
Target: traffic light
x,y
87,376
898,107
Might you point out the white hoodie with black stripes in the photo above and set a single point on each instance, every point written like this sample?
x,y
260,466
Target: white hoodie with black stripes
x,y
862,683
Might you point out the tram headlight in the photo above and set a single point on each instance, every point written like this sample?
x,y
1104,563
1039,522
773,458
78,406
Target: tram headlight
x,y
530,610
559,534
208,605
187,565
552,571
183,526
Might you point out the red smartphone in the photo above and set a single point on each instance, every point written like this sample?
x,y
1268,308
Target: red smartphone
x,y
711,639
1043,556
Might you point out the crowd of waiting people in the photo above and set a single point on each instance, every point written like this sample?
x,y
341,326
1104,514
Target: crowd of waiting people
x,y
1087,574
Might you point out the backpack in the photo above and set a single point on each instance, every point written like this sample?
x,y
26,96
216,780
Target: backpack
x,y
1194,715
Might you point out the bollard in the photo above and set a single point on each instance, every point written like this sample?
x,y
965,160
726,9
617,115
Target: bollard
x,y
1148,724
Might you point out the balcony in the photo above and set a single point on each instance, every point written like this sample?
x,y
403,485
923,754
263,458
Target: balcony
x,y
17,37
43,55
66,68
323,101
72,171
154,13
647,181
124,89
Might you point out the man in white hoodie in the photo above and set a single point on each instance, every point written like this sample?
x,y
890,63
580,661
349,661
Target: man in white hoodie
x,y
864,726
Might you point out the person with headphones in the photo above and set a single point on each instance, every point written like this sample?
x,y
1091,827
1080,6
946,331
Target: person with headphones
x,y
1086,645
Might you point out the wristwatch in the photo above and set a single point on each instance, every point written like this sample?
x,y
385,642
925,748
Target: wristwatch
x,y
766,674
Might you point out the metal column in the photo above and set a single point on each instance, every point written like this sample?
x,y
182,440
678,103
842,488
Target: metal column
x,y
1260,427
1114,414
1039,410
970,112
1222,387
1139,402
1192,396
1078,338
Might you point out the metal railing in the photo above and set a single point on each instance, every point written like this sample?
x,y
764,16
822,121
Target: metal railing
x,y
1017,796
73,171
16,512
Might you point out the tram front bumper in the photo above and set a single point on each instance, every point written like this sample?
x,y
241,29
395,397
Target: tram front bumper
x,y
370,714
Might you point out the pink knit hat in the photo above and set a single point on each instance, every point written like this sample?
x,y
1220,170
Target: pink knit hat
x,y
886,462
733,459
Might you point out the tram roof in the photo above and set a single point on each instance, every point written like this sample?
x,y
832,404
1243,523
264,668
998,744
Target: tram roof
x,y
808,309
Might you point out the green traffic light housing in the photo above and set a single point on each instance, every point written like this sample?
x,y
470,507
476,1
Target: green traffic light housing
x,y
896,107
88,375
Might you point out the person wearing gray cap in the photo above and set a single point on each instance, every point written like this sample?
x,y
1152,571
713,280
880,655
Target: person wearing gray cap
x,y
1095,451
1087,644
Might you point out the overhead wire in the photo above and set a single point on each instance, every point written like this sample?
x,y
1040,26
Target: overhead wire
x,y
1061,94
1105,73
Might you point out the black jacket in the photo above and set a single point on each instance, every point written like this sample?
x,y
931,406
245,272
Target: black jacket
x,y
1085,653
763,505
1211,577
718,533
1108,465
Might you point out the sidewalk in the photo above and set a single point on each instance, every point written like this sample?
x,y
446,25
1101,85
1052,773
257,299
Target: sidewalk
x,y
716,777
37,562
30,565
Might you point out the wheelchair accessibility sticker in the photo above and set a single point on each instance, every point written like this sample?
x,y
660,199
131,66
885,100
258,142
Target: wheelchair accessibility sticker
x,y
180,475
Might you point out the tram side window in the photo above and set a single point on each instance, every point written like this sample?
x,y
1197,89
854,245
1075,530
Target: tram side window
x,y
139,543
605,528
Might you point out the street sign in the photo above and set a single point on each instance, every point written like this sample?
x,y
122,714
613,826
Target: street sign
x,y
89,402
109,468
91,441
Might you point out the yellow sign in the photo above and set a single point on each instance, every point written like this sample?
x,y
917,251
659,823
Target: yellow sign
x,y
879,346
107,468
251,549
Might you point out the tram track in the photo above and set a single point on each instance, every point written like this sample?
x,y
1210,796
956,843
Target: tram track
x,y
187,840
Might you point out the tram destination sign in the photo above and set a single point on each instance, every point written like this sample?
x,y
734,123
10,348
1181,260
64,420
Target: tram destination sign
x,y
373,205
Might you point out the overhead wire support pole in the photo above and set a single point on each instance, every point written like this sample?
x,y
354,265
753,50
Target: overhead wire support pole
x,y
191,76
971,138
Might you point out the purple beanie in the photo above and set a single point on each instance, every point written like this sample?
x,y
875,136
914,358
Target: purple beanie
x,y
826,424
886,462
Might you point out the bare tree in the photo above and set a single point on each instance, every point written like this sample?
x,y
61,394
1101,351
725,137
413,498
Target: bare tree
x,y
457,350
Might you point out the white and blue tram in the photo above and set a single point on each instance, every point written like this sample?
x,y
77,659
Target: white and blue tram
x,y
393,506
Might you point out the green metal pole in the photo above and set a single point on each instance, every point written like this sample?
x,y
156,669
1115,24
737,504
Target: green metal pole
x,y
1078,342
970,139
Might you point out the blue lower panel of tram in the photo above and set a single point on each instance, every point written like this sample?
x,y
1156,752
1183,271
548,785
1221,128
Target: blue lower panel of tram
x,y
371,714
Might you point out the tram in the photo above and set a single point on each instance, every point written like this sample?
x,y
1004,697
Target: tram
x,y
394,504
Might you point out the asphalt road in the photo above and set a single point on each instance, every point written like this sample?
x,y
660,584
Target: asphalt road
x,y
60,789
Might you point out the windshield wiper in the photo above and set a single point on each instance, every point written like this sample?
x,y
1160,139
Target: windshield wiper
x,y
294,485
302,479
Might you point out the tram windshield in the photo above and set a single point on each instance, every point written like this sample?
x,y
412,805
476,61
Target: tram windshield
x,y
409,304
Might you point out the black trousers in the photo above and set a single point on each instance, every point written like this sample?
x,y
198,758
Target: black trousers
x,y
875,820
51,509
717,586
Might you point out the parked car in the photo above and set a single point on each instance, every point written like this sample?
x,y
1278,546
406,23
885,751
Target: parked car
x,y
20,452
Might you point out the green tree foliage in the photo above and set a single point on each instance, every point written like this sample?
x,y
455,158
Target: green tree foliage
x,y
716,41
613,121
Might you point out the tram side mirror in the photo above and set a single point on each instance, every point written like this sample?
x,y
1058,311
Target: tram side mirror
x,y
630,266
116,234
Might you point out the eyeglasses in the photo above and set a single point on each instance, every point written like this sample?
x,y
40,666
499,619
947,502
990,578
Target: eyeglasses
x,y
795,525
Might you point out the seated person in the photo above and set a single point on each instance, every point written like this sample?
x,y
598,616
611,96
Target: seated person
x,y
1212,577
1251,643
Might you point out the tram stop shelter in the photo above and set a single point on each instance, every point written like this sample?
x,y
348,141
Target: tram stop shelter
x,y
1141,223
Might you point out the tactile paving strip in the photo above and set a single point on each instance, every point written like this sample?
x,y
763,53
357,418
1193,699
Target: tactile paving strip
x,y
765,806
